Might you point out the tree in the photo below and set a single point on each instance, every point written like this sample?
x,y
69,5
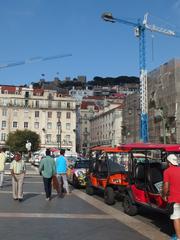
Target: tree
x,y
17,140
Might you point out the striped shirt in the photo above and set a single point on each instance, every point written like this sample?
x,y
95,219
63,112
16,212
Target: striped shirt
x,y
18,166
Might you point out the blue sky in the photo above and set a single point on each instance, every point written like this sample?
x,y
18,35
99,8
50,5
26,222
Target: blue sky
x,y
32,28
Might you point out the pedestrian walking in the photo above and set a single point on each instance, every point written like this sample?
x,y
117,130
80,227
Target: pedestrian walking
x,y
2,165
171,191
18,170
47,168
61,169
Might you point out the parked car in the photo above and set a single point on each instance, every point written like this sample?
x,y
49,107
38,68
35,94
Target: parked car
x,y
77,173
37,156
9,156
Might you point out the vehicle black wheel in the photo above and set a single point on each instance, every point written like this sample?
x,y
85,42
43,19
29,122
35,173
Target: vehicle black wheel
x,y
89,189
75,182
129,208
109,196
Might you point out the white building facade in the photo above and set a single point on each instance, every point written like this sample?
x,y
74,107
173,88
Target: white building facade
x,y
45,112
106,126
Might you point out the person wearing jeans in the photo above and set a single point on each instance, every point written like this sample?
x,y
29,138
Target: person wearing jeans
x,y
47,168
61,169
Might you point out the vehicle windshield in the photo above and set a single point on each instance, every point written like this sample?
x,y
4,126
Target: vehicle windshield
x,y
118,162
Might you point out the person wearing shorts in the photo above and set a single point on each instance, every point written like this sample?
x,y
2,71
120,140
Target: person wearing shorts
x,y
171,190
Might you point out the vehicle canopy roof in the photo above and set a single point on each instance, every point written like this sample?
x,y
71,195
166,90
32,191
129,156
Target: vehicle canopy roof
x,y
108,149
150,146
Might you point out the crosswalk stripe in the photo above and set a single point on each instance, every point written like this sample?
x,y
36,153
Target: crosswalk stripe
x,y
53,215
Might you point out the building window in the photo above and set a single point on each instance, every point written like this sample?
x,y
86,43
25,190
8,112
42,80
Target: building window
x,y
48,137
25,124
15,125
26,103
36,114
49,125
68,115
3,124
68,105
58,114
4,112
3,136
49,104
68,126
36,125
37,104
5,102
26,94
49,114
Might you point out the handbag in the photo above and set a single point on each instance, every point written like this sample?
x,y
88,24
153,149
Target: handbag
x,y
55,183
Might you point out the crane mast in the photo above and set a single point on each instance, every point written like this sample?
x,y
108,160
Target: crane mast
x,y
140,27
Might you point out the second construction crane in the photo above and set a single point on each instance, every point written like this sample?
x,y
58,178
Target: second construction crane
x,y
140,27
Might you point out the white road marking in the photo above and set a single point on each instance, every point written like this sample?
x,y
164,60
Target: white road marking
x,y
54,215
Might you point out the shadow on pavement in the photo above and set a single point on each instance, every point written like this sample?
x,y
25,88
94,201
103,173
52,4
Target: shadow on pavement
x,y
159,220
29,195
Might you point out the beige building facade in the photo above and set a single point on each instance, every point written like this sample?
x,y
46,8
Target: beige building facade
x,y
106,126
45,112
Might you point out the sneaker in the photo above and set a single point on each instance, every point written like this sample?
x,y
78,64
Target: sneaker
x,y
174,237
48,199
20,199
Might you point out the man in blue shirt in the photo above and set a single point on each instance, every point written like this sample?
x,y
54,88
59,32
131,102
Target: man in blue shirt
x,y
61,169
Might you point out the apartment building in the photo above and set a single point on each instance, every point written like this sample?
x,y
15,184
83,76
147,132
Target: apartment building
x,y
87,111
106,126
131,118
46,112
164,103
163,107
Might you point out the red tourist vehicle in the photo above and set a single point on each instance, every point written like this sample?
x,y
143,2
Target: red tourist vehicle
x,y
107,172
146,163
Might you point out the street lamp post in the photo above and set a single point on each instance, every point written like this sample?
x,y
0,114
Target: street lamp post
x,y
59,133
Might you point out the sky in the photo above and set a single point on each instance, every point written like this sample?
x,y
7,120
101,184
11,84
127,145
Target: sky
x,y
43,28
